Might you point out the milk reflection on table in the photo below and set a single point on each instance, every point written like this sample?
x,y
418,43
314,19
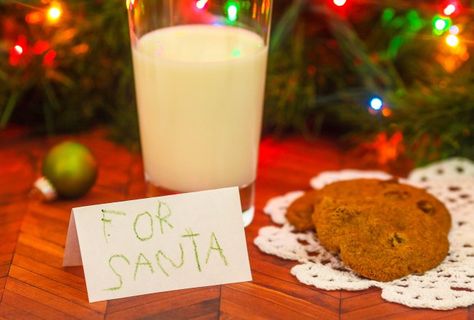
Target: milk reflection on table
x,y
200,95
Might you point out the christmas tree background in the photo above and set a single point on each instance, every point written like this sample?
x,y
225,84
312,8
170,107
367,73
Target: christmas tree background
x,y
391,75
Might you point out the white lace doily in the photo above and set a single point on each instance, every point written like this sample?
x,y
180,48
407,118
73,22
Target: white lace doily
x,y
448,286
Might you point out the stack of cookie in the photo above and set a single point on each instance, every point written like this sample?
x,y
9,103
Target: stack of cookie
x,y
382,230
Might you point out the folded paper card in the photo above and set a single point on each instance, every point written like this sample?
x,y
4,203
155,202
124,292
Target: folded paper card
x,y
159,244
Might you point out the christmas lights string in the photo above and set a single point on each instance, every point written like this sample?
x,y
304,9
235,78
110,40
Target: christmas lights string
x,y
443,25
51,14
447,7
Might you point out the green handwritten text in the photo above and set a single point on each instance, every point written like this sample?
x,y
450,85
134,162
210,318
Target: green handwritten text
x,y
163,219
139,263
116,256
150,223
214,245
106,221
160,254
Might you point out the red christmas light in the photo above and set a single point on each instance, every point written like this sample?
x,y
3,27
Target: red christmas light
x,y
340,7
339,3
201,4
450,7
17,51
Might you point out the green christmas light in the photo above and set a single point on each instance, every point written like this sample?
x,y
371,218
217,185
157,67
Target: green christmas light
x,y
441,24
232,10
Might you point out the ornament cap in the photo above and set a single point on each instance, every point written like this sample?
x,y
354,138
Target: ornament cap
x,y
46,189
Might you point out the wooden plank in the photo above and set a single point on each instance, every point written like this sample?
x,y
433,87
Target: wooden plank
x,y
375,311
4,270
12,213
372,306
350,294
296,290
422,314
10,312
174,303
6,258
251,301
56,301
208,309
58,274
361,301
35,308
17,175
9,238
8,245
12,228
49,211
13,208
78,296
43,228
471,312
3,280
276,267
40,250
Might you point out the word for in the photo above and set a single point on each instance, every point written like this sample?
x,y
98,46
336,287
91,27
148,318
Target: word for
x,y
162,214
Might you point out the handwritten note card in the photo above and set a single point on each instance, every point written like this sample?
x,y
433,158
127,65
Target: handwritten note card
x,y
159,244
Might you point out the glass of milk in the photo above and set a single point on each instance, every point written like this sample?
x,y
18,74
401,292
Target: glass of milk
x,y
199,69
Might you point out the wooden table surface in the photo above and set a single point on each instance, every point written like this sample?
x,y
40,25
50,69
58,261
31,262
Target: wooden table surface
x,y
33,285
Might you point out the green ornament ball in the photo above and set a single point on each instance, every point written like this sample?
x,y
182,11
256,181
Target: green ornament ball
x,y
71,169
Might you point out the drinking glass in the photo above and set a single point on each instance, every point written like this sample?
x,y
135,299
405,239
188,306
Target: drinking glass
x,y
199,70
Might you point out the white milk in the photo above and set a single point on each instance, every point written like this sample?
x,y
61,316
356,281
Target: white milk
x,y
200,96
